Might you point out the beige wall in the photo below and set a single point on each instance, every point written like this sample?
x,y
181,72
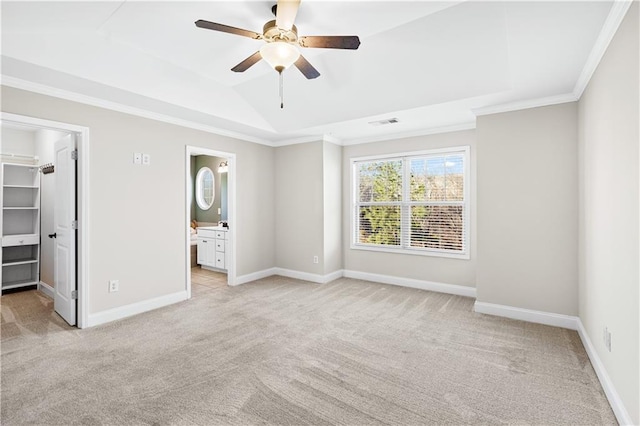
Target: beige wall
x,y
609,212
299,207
528,209
332,188
426,268
126,242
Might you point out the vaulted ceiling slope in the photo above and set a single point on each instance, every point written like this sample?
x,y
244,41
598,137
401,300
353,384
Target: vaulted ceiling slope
x,y
429,64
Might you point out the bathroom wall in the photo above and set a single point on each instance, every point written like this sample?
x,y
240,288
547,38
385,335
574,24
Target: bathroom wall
x,y
210,215
224,200
192,195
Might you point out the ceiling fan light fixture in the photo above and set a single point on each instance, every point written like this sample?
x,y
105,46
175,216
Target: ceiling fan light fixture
x,y
279,54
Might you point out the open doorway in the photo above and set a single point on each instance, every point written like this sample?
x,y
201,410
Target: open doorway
x,y
43,175
210,206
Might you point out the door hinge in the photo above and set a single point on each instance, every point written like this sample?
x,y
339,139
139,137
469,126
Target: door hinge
x,y
74,224
74,294
74,154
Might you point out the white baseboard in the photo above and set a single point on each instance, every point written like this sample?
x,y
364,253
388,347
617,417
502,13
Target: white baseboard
x,y
306,276
529,315
622,415
413,283
243,279
135,308
46,289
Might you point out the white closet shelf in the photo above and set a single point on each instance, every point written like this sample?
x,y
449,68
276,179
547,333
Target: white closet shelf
x,y
20,225
19,262
16,284
20,208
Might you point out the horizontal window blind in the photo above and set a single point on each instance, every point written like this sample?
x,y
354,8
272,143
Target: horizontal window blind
x,y
413,202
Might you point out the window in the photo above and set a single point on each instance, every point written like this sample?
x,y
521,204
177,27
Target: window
x,y
414,203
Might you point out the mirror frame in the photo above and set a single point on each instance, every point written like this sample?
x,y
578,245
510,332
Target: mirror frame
x,y
200,201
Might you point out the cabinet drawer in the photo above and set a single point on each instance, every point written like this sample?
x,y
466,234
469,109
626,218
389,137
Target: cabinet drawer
x,y
220,245
220,261
20,240
206,233
221,235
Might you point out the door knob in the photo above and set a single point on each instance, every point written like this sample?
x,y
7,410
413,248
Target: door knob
x,y
52,235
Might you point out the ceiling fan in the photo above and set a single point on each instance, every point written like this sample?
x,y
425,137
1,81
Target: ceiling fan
x,y
281,42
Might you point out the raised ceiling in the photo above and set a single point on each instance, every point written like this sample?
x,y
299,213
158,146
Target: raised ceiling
x,y
429,64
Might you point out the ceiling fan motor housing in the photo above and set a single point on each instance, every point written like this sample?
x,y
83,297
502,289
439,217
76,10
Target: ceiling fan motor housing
x,y
271,32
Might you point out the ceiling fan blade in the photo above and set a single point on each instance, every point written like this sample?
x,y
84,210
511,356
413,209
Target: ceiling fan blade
x,y
247,63
330,42
227,29
306,68
286,12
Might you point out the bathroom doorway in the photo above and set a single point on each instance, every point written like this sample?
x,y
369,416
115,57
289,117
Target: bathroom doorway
x,y
210,189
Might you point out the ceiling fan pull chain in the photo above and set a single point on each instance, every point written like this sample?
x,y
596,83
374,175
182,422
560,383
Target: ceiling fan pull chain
x,y
280,69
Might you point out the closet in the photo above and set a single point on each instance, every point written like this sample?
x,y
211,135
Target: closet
x,y
27,200
20,225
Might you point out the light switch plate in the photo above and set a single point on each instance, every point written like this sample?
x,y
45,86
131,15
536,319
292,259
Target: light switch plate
x,y
137,158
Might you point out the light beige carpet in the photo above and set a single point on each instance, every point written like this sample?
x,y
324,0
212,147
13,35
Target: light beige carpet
x,y
281,351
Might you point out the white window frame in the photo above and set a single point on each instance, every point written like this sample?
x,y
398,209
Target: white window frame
x,y
465,151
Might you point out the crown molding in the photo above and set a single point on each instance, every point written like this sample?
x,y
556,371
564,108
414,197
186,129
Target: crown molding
x,y
307,139
526,104
296,141
469,125
608,31
42,89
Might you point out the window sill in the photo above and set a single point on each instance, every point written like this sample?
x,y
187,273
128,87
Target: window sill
x,y
459,256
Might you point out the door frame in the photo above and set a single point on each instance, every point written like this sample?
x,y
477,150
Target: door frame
x,y
82,190
191,151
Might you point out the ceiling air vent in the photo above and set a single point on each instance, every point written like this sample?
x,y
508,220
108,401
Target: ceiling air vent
x,y
384,122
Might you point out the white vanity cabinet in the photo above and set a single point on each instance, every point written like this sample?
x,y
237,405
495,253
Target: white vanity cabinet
x,y
212,246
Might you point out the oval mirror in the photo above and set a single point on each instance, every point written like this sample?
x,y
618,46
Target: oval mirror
x,y
205,193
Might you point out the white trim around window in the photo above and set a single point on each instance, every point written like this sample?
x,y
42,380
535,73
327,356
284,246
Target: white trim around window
x,y
400,200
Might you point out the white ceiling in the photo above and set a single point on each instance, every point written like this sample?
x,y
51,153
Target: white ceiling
x,y
429,64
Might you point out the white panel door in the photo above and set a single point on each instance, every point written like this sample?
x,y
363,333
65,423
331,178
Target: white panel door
x,y
64,215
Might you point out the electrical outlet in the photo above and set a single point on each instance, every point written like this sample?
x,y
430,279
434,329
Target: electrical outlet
x,y
114,285
137,158
315,259
146,159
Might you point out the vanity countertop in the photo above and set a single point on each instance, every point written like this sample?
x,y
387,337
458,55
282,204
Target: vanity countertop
x,y
212,228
